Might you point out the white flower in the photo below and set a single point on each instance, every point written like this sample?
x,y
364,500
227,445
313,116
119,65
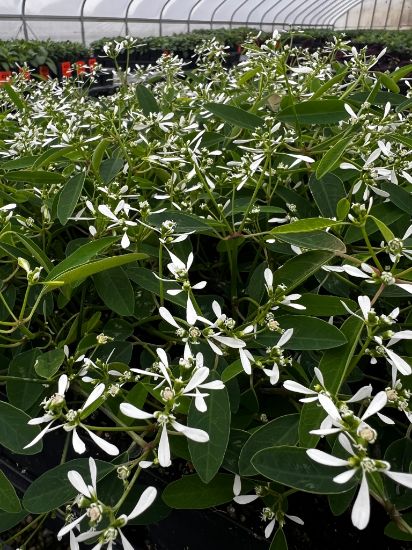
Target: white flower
x,y
237,487
361,507
394,359
163,420
291,385
273,373
88,491
73,421
110,534
123,223
334,417
196,381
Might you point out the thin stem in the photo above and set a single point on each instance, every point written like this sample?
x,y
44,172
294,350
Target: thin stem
x,y
370,248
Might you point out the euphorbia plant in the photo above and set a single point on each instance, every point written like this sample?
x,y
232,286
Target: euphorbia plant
x,y
210,269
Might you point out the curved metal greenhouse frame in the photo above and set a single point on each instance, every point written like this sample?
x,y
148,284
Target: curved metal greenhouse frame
x,y
87,20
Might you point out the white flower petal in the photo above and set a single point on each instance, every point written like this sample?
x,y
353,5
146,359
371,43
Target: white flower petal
x,y
78,483
296,519
125,242
69,527
237,485
244,359
107,447
362,393
325,458
197,378
96,393
63,384
245,499
230,342
163,452
402,366
191,433
268,276
399,477
344,476
105,210
377,403
291,385
329,407
191,315
286,336
361,508
126,544
133,412
77,443
146,499
269,528
167,316
40,419
365,305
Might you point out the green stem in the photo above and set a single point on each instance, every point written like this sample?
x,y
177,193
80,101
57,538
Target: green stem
x,y
370,248
26,528
116,428
161,282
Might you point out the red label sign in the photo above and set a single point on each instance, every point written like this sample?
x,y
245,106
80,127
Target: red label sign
x,y
66,69
44,71
80,67
5,76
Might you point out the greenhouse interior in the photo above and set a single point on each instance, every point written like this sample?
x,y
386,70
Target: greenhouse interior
x,y
205,274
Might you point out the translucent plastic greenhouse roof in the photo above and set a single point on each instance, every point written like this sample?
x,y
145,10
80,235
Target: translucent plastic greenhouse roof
x,y
87,20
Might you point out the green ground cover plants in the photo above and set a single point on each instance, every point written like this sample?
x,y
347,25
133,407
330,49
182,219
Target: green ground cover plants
x,y
209,268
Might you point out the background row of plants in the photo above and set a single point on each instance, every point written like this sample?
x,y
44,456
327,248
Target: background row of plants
x,y
16,53
184,261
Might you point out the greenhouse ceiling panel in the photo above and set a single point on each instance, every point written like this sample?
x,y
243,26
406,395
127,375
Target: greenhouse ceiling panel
x,y
88,20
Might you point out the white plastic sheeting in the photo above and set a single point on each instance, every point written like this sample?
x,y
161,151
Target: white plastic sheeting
x,y
88,20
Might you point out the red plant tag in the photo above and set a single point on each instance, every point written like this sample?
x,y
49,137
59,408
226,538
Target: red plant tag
x,y
5,76
44,71
66,69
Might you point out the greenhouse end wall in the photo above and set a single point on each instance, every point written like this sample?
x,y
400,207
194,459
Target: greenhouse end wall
x,y
89,20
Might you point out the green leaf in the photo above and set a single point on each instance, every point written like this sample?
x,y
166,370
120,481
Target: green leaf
x,y
308,333
292,467
314,240
14,96
399,456
331,159
208,457
303,226
38,177
7,520
98,154
383,228
399,196
323,111
388,82
328,84
190,492
335,366
109,169
9,501
69,197
23,394
53,489
114,288
18,163
146,279
280,431
296,270
327,192
15,433
51,155
237,439
233,370
325,305
146,100
35,251
81,256
235,115
341,502
91,268
47,364
279,541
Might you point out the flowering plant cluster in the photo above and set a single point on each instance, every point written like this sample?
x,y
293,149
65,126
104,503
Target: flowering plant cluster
x,y
209,269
